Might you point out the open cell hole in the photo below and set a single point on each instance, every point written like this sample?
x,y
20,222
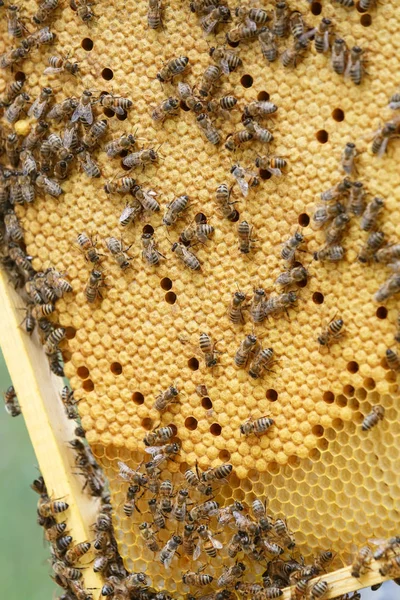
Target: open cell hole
x,y
124,167
123,116
224,455
184,106
381,312
271,395
338,115
148,229
70,333
316,8
170,297
147,423
233,44
366,20
206,403
83,372
369,383
200,218
318,298
352,366
322,136
116,368
88,385
236,216
19,76
193,364
246,81
303,220
348,390
138,398
318,430
166,283
191,423
328,397
341,400
263,96
264,174
107,74
215,429
108,112
87,44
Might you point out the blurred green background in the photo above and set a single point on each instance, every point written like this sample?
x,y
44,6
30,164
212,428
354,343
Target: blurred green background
x,y
24,567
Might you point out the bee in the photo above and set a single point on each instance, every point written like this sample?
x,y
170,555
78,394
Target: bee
x,y
231,575
166,493
392,567
388,253
154,14
196,579
150,254
209,543
30,321
11,92
371,213
292,55
361,561
166,398
393,360
141,158
61,64
174,210
44,11
256,426
335,230
193,480
240,174
261,362
242,33
376,415
235,310
12,149
283,533
210,21
257,313
146,198
259,512
339,56
348,156
49,508
267,40
188,546
49,186
41,105
273,165
69,402
93,135
221,472
168,551
89,166
321,38
296,24
172,68
167,108
389,288
15,26
197,231
331,332
226,59
11,402
124,142
373,243
88,247
83,112
356,202
118,252
235,140
290,247
29,166
382,137
76,552
53,532
130,475
259,109
246,348
92,289
42,310
13,112
179,509
55,281
60,568
209,78
13,57
19,257
149,537
187,96
386,547
222,105
62,110
208,349
340,189
35,135
131,500
54,338
355,67
121,186
189,259
83,9
280,24
329,253
201,511
13,229
319,589
292,276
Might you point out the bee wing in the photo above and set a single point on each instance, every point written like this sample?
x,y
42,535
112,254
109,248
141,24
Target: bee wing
x,y
326,41
394,105
208,27
33,109
168,561
68,136
377,541
117,109
383,147
216,543
153,450
49,70
83,111
244,186
197,550
276,172
126,214
28,192
225,66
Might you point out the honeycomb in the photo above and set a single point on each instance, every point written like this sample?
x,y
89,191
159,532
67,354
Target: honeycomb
x,y
334,485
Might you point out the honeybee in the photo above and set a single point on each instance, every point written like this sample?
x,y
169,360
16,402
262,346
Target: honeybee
x,y
189,259
149,537
44,11
292,55
49,186
319,589
187,96
93,135
60,64
257,313
371,213
208,129
204,510
13,57
296,24
15,26
117,104
259,109
154,14
131,475
146,198
88,247
348,156
256,426
118,252
245,239
235,140
166,398
13,229
193,480
340,189
11,402
260,514
210,21
150,254
356,202
69,573
389,288
43,310
261,362
83,112
355,67
12,113
41,105
392,567
221,472
397,334
12,90
290,246
76,552
62,110
335,231
34,136
130,504
230,575
361,561
377,413
174,209
179,509
321,38
246,348
267,40
19,257
292,276
208,349
235,310
196,579
12,150
222,106
382,137
280,25
388,253
88,164
283,533
242,32
172,68
273,165
226,59
240,174
49,508
393,360
339,56
92,289
124,142
121,186
203,6
386,547
168,551
166,492
69,402
188,541
329,253
141,158
331,332
167,108
207,541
